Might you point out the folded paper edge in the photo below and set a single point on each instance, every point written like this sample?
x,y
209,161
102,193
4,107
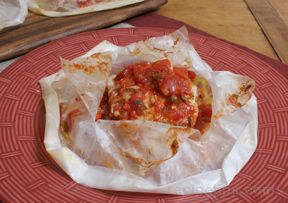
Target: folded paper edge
x,y
33,6
224,174
179,187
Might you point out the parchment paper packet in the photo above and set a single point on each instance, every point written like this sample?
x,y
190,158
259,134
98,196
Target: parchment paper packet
x,y
12,12
59,8
114,155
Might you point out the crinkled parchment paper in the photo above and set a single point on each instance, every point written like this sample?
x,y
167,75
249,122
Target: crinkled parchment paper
x,y
12,12
147,156
58,8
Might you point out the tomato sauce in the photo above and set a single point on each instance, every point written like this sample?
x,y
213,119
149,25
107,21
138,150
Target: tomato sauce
x,y
83,3
153,91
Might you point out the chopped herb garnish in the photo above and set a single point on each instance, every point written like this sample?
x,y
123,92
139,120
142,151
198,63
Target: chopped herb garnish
x,y
184,98
137,101
155,76
189,120
174,98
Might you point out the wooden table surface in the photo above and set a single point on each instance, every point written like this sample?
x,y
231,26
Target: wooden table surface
x,y
260,25
231,20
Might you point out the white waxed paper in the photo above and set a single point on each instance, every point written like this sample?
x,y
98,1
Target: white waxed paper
x,y
12,12
59,8
93,154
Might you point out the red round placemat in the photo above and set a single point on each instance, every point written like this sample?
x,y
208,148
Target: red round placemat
x,y
28,174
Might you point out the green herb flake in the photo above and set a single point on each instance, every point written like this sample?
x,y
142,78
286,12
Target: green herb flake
x,y
174,98
184,98
190,121
137,101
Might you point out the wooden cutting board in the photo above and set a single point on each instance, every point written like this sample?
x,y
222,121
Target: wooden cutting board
x,y
38,30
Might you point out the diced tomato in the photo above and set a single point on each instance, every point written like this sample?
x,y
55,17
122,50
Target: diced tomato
x,y
127,72
182,72
159,70
83,3
139,71
173,116
70,119
105,98
175,85
180,111
191,75
204,118
162,64
98,115
117,106
149,73
126,106
206,110
104,106
133,115
200,124
232,100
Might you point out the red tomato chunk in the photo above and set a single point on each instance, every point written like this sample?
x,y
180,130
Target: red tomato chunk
x,y
153,91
